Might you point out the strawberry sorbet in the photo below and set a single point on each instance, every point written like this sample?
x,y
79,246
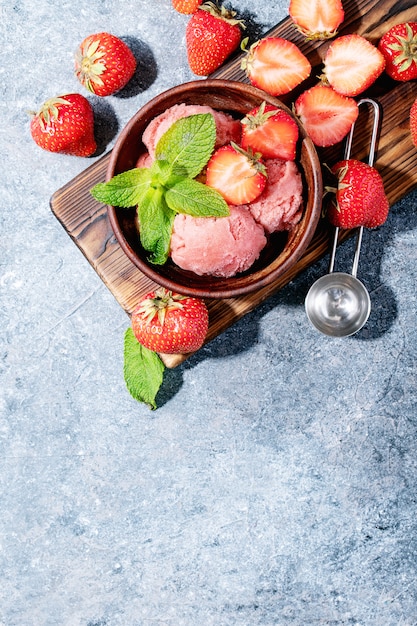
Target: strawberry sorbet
x,y
228,129
219,246
280,205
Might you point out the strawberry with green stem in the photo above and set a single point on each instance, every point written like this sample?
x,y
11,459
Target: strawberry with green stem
x,y
163,322
399,47
104,64
359,198
212,35
170,323
65,125
270,131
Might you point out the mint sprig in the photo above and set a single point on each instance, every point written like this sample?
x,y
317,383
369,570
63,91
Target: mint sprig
x,y
168,187
143,370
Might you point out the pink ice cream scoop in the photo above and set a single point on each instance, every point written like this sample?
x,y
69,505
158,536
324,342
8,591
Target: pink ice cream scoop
x,y
280,205
218,246
227,128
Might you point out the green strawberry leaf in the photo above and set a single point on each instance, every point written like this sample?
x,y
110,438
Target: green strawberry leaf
x,y
155,225
193,198
189,142
143,370
125,189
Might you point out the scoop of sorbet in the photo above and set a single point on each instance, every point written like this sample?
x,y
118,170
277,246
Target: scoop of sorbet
x,y
227,128
217,246
280,205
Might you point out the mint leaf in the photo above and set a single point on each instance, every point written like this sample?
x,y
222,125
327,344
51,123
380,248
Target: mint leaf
x,y
189,142
193,198
143,370
155,225
125,189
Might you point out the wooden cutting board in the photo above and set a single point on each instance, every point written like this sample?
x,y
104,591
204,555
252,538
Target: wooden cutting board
x,y
87,224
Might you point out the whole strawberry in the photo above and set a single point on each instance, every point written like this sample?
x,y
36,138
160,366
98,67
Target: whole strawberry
x,y
399,47
413,122
170,323
212,34
360,198
66,125
186,7
104,64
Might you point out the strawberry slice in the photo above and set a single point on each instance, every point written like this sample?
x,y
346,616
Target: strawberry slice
x,y
326,115
239,176
275,65
352,64
270,131
317,19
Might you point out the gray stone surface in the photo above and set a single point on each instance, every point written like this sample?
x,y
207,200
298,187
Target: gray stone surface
x,y
276,484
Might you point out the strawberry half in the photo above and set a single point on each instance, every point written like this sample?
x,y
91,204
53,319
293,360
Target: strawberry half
x,y
352,64
275,65
317,19
65,125
170,323
413,122
239,176
360,198
104,64
270,131
399,47
211,35
326,115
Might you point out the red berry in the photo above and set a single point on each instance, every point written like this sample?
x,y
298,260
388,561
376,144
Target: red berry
x,y
352,64
187,7
326,115
212,34
399,47
65,124
239,176
317,19
276,65
360,198
104,64
271,131
170,323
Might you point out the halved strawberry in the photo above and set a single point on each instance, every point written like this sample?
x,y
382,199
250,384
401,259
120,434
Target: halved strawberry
x,y
317,19
239,176
275,65
326,115
352,64
270,131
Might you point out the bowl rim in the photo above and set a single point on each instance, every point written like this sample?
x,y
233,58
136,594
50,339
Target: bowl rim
x,y
240,284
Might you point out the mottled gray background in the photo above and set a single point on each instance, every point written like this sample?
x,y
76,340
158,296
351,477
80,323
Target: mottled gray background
x,y
276,485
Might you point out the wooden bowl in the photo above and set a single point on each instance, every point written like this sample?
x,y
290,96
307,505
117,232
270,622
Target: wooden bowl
x,y
281,252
